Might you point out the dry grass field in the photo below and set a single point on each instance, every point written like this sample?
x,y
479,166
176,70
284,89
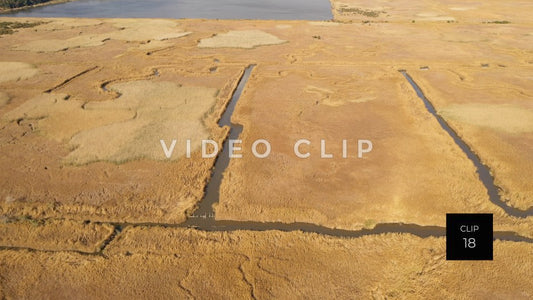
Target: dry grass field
x,y
90,203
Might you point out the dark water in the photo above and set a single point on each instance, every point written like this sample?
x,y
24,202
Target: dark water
x,y
204,215
176,9
482,170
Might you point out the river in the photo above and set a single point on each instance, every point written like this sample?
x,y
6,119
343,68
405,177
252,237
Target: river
x,y
176,9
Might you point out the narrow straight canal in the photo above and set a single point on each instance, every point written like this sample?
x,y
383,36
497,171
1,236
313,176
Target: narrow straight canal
x,y
483,171
204,216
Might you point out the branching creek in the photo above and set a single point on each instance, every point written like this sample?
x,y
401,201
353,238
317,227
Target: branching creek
x,y
204,219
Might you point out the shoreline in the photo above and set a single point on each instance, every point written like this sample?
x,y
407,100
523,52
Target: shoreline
x,y
7,11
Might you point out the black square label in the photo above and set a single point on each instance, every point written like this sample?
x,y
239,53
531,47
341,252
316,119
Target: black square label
x,y
469,237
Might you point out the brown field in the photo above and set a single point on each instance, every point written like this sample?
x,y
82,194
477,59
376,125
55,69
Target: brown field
x,y
431,11
415,174
26,233
89,202
166,263
493,107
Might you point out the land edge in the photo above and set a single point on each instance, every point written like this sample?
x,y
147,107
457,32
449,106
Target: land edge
x,y
6,11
